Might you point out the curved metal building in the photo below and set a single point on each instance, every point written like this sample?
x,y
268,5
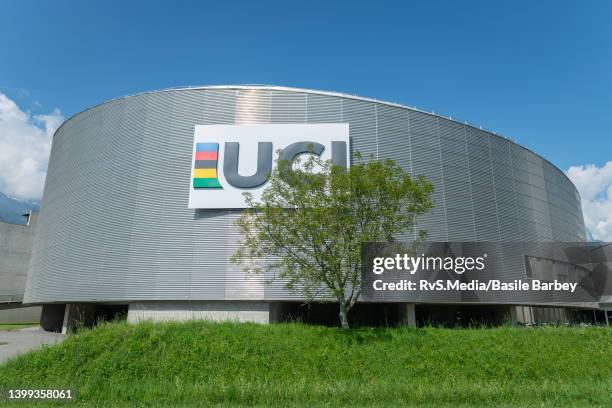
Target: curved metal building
x,y
115,224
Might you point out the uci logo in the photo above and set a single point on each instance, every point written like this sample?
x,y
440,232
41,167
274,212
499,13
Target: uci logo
x,y
229,160
207,159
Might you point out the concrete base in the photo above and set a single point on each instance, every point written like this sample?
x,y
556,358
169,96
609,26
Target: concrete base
x,y
16,315
256,312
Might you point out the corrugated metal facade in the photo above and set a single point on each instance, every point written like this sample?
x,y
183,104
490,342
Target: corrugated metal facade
x,y
114,223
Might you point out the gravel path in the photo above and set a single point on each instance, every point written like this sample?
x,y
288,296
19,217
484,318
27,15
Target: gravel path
x,y
21,341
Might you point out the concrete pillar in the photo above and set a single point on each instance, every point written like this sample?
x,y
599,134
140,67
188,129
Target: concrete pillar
x,y
521,315
406,314
276,311
78,315
52,317
66,321
255,312
514,315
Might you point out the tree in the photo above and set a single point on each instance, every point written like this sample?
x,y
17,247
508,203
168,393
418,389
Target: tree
x,y
314,217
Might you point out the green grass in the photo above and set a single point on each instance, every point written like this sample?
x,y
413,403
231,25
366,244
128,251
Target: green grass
x,y
201,364
4,326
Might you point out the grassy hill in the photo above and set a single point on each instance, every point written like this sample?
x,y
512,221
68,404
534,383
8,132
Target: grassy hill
x,y
199,364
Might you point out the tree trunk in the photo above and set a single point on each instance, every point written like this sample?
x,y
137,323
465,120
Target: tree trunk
x,y
343,315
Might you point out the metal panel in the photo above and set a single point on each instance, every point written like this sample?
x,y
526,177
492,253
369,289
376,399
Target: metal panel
x,y
288,107
457,182
427,161
361,117
324,109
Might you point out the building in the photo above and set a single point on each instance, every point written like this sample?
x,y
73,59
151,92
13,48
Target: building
x,y
15,253
122,225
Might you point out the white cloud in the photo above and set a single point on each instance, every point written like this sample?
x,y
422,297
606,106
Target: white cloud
x,y
25,143
595,186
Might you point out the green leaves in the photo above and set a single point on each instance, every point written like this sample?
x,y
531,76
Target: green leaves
x,y
314,216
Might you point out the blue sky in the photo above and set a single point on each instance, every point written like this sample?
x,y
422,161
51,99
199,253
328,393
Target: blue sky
x,y
538,72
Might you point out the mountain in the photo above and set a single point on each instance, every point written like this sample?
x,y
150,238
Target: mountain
x,y
12,210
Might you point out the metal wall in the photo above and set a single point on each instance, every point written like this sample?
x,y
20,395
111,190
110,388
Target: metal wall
x,y
15,252
114,223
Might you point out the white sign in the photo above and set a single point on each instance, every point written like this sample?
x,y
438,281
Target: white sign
x,y
229,160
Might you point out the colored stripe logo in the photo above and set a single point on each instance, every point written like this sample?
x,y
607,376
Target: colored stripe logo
x,y
205,166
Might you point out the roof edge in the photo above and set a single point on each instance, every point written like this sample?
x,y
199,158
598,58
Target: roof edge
x,y
317,92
